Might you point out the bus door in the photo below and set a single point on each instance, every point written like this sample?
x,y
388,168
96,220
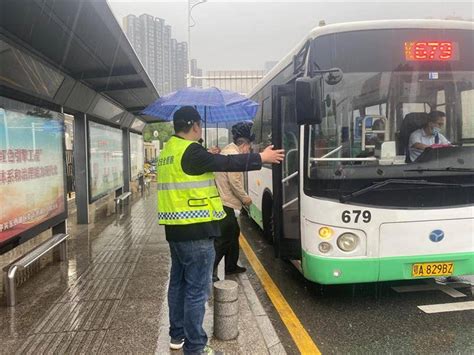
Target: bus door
x,y
285,175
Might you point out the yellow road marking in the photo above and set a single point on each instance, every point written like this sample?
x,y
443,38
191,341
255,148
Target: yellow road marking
x,y
299,334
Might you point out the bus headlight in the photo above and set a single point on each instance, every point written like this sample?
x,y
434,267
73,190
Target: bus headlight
x,y
324,247
347,242
325,232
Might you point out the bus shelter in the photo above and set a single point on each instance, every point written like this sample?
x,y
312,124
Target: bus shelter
x,y
65,59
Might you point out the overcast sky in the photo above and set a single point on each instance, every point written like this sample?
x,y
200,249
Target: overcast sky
x,y
242,34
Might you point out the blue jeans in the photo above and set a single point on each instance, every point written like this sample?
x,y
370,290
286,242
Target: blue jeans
x,y
190,280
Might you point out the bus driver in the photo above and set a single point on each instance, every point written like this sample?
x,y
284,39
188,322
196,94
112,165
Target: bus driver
x,y
428,135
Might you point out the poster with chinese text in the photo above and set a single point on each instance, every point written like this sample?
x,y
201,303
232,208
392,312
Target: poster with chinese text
x,y
106,159
136,154
31,170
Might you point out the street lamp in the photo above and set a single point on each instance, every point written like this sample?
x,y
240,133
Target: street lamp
x,y
191,5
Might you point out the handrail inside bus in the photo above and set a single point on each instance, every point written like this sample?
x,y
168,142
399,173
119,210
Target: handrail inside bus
x,y
343,159
289,203
287,155
289,177
332,152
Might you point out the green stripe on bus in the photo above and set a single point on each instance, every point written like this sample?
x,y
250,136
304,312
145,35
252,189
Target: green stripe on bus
x,y
322,270
256,215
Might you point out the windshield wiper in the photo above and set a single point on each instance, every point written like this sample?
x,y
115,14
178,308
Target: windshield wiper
x,y
345,198
449,168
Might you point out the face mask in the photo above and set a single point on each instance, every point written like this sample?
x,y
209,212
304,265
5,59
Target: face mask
x,y
435,131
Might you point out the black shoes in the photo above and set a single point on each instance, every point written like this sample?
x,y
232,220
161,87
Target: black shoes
x,y
237,270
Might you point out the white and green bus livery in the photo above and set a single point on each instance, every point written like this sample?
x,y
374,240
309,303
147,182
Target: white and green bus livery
x,y
347,205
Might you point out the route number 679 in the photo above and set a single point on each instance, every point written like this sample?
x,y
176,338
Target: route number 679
x,y
356,215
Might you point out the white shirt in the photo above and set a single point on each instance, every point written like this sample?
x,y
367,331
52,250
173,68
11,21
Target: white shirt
x,y
419,136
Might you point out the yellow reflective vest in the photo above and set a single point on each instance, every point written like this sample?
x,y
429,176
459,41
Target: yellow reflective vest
x,y
182,198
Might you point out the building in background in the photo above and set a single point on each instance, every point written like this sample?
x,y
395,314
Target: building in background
x,y
174,64
181,64
196,73
159,32
167,59
132,28
164,58
145,35
241,81
152,150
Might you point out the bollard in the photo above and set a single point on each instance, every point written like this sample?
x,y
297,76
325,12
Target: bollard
x,y
226,309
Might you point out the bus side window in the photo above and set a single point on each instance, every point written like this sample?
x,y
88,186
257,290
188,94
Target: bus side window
x,y
266,124
290,134
441,106
408,107
374,138
441,100
467,107
257,130
319,143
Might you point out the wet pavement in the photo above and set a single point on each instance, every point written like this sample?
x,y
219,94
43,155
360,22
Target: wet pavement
x,y
371,318
106,298
110,296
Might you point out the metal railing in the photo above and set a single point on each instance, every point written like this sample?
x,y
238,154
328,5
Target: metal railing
x,y
26,260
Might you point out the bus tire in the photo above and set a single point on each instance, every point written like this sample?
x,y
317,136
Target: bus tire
x,y
267,219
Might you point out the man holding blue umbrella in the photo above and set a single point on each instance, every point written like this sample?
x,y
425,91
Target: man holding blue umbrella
x,y
190,207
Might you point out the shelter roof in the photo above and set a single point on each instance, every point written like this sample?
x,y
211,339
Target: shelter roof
x,y
83,40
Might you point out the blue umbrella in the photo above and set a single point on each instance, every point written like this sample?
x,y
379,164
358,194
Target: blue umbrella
x,y
214,105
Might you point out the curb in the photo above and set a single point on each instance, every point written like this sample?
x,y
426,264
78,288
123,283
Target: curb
x,y
269,334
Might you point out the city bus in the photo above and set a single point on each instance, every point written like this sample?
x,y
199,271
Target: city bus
x,y
347,205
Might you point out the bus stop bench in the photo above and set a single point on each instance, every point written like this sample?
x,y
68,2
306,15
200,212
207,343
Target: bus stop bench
x,y
119,200
27,259
145,185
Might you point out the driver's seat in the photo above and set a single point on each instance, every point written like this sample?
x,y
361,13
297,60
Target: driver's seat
x,y
411,122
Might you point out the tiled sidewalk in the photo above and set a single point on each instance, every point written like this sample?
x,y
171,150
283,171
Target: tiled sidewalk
x,y
110,297
106,299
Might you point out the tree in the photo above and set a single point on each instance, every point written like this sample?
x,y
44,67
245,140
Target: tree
x,y
165,131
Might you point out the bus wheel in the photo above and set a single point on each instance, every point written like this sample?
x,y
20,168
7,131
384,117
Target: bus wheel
x,y
267,216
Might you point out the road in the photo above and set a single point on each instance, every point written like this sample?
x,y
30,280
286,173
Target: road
x,y
366,318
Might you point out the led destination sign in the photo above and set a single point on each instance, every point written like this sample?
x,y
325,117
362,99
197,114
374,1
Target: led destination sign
x,y
431,51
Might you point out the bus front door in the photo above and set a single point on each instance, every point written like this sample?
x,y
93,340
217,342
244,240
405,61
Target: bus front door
x,y
285,175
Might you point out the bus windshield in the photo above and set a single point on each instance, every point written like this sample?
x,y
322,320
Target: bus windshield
x,y
392,80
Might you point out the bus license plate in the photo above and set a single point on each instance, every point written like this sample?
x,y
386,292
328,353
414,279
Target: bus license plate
x,y
432,269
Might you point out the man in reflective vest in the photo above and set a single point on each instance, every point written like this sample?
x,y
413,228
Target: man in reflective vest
x,y
190,207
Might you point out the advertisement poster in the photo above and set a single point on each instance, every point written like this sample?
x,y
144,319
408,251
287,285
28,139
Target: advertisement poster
x,y
136,154
106,159
31,170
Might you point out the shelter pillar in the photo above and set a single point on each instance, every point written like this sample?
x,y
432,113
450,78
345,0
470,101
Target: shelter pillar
x,y
126,159
81,168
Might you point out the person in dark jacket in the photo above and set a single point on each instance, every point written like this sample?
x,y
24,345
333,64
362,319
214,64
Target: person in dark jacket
x,y
190,208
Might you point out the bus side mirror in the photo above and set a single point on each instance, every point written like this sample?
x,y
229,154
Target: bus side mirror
x,y
308,101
